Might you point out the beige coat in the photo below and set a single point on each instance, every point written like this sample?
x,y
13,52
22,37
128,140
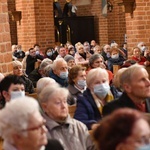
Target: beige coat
x,y
72,134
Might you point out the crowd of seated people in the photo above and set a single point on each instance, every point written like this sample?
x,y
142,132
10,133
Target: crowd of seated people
x,y
82,76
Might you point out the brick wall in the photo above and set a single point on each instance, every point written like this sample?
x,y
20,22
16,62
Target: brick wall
x,y
13,26
138,27
113,27
37,24
5,44
40,29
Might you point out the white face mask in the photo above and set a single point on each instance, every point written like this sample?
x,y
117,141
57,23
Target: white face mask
x,y
16,94
63,75
81,84
143,48
116,56
101,90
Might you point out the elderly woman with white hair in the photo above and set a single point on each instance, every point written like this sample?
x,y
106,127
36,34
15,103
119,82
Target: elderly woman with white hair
x,y
72,134
90,104
24,130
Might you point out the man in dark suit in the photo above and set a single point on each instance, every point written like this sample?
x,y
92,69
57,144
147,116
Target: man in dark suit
x,y
136,84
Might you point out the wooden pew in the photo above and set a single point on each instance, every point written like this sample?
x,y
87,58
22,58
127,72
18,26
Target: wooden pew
x,y
33,95
115,69
148,70
1,143
72,109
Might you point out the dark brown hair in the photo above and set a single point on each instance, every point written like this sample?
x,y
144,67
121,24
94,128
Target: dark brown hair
x,y
116,128
73,73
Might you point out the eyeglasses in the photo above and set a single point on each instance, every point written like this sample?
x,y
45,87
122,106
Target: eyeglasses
x,y
40,126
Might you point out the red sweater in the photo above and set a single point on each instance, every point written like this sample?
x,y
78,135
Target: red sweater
x,y
140,60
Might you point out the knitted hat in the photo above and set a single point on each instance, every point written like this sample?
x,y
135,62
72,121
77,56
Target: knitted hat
x,y
68,58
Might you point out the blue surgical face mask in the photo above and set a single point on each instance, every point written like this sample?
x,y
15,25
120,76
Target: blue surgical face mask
x,y
19,50
116,56
108,55
81,84
17,94
101,90
144,147
49,53
63,75
37,52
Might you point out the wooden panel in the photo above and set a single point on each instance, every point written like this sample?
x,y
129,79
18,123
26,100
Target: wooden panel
x,y
148,70
72,109
115,69
33,95
75,29
1,143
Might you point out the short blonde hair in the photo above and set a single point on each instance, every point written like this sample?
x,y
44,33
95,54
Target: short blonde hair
x,y
93,73
79,45
16,63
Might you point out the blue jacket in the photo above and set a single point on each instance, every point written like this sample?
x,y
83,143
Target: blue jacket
x,y
87,111
110,62
62,82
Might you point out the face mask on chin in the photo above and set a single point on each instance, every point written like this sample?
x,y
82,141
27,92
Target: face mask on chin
x,y
17,94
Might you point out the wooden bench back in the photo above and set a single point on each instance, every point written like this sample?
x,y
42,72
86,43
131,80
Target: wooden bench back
x,y
72,110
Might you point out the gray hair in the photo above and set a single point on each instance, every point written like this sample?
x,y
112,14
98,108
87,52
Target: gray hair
x,y
48,91
45,62
15,115
128,74
56,61
43,82
94,57
47,70
93,73
116,79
